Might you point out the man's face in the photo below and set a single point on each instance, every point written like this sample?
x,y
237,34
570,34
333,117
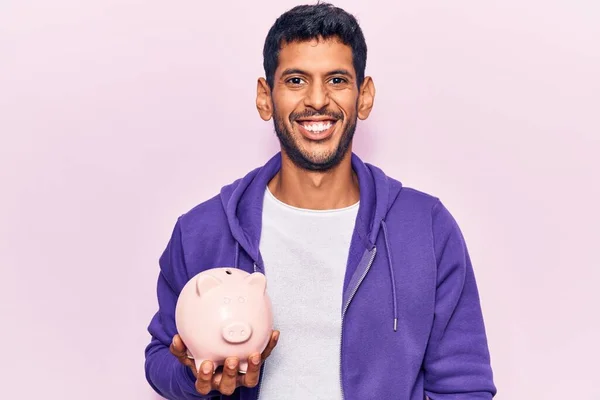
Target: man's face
x,y
315,99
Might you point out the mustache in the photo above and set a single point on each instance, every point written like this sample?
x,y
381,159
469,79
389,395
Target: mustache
x,y
315,113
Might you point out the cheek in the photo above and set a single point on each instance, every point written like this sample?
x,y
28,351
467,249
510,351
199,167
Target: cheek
x,y
286,102
347,102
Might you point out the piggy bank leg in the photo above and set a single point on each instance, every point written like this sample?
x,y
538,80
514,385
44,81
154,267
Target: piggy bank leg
x,y
243,367
198,363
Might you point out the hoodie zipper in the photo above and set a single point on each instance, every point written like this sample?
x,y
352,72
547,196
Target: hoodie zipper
x,y
362,277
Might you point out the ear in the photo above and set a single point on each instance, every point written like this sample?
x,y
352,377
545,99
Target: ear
x,y
257,280
264,102
366,98
205,282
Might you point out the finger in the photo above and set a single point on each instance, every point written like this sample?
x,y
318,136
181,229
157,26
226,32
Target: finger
x,y
205,377
250,378
228,382
272,343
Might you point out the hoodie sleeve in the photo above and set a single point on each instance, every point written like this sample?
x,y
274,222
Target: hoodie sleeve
x,y
165,374
457,360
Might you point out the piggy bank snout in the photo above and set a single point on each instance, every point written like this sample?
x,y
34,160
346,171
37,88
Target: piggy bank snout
x,y
237,332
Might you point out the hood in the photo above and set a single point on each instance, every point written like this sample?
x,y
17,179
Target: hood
x,y
243,202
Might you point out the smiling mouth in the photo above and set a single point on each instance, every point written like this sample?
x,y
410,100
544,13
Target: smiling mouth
x,y
317,130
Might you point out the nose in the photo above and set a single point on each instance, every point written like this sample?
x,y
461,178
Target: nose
x,y
317,96
237,332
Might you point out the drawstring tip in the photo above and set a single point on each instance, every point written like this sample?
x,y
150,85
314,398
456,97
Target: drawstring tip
x,y
395,324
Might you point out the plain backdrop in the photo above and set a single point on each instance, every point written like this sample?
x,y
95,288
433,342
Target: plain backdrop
x,y
118,116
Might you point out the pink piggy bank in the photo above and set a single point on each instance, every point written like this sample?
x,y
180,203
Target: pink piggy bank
x,y
224,312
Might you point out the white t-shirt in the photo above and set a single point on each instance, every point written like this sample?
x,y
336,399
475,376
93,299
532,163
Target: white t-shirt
x,y
305,254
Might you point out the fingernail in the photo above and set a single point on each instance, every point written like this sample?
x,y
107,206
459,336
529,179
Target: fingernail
x,y
255,359
231,363
206,368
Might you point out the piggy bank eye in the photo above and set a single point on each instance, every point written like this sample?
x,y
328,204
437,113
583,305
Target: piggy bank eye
x,y
226,300
228,272
241,299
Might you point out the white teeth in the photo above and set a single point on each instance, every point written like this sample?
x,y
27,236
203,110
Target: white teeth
x,y
317,127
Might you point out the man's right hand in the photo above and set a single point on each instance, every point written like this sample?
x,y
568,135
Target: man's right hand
x,y
227,380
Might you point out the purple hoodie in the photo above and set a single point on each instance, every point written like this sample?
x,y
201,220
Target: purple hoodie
x,y
411,317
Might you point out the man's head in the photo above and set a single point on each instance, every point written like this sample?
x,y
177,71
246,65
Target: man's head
x,y
315,86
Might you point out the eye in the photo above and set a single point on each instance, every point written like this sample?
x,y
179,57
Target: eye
x,y
296,81
338,80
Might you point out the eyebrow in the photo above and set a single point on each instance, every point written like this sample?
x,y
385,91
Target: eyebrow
x,y
293,71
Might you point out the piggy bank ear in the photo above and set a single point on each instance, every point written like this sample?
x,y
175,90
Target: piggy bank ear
x,y
257,281
206,282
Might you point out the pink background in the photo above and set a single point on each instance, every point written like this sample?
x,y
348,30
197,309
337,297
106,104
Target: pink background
x,y
117,116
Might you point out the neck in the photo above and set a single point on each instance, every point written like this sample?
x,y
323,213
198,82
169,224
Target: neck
x,y
316,190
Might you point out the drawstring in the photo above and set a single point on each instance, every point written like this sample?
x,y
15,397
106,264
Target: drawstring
x,y
237,254
389,257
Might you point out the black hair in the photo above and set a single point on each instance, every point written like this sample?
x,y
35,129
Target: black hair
x,y
318,21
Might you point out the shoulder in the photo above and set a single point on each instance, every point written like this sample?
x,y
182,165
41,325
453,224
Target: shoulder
x,y
418,207
411,199
399,195
418,198
427,210
427,204
203,215
209,215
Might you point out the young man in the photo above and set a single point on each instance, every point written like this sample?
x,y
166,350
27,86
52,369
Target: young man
x,y
372,286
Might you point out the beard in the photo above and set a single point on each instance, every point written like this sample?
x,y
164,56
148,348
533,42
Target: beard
x,y
308,161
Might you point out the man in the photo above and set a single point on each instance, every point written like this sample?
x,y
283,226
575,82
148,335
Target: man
x,y
371,282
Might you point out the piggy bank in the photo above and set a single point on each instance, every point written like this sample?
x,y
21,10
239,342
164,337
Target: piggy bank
x,y
224,312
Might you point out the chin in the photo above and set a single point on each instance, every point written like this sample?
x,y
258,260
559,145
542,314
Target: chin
x,y
321,153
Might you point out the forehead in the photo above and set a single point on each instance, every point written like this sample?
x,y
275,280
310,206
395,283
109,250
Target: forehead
x,y
316,56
